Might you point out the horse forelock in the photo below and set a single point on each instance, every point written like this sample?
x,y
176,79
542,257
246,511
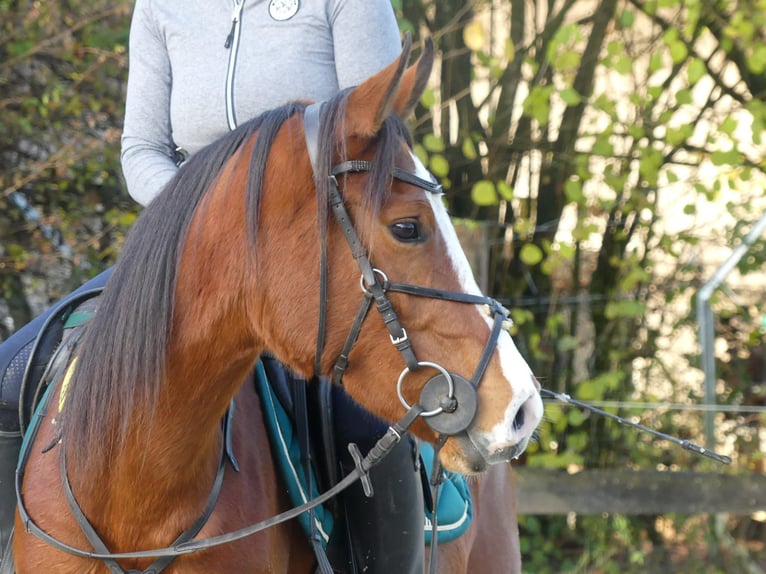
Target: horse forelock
x,y
333,149
121,361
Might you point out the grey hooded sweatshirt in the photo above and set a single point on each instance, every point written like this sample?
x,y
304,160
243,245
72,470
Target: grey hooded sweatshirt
x,y
199,67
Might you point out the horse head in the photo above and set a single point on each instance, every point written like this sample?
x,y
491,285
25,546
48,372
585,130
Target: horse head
x,y
447,338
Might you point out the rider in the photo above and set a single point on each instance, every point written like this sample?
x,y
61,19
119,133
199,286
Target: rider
x,y
198,70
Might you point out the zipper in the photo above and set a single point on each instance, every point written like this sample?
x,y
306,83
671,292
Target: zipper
x,y
232,44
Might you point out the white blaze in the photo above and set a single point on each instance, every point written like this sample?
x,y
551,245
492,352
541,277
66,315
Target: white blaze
x,y
515,369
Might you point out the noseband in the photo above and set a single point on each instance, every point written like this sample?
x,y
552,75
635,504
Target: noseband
x,y
449,399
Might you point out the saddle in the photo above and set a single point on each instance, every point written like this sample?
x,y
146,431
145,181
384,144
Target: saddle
x,y
378,534
45,354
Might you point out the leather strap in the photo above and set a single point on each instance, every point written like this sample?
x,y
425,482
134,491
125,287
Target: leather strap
x,y
311,126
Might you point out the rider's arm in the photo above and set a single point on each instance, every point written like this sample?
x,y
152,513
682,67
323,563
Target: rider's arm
x,y
365,37
147,140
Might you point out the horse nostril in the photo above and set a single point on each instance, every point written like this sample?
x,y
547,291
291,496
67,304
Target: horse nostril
x,y
518,421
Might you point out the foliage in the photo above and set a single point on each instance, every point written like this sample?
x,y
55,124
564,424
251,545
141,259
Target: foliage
x,y
614,148
62,206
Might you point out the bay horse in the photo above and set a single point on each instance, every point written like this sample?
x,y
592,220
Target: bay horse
x,y
240,255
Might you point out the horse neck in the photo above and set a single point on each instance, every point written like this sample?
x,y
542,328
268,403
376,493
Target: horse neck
x,y
211,349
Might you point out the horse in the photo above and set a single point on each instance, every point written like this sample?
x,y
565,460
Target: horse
x,y
241,255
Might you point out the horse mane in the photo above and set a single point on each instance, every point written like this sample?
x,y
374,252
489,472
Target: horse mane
x,y
121,360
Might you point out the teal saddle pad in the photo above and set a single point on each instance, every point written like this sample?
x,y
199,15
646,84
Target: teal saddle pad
x,y
455,509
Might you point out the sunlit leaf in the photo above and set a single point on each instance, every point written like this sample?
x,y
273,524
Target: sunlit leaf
x,y
531,254
696,70
570,96
483,193
473,36
469,149
439,165
433,143
505,190
428,99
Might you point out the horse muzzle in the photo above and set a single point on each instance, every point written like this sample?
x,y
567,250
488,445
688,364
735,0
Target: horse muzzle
x,y
508,439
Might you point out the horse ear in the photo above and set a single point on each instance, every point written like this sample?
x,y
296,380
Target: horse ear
x,y
394,89
414,82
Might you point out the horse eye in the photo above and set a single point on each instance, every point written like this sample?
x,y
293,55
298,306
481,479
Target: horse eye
x,y
407,230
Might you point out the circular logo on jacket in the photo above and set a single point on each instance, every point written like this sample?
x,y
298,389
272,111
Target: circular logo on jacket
x,y
283,9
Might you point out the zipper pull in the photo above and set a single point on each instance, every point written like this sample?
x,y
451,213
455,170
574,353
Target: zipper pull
x,y
230,37
238,5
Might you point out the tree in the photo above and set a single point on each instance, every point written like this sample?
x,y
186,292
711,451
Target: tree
x,y
62,205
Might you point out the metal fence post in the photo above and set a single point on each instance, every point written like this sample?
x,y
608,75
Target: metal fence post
x,y
706,327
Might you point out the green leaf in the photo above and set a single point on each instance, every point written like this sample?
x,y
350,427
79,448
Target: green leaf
x,y
627,18
623,64
728,125
683,97
589,390
676,136
573,190
627,309
567,343
483,193
428,99
696,71
510,49
469,149
602,146
756,62
505,190
678,51
576,417
570,96
731,157
439,165
531,254
537,104
433,143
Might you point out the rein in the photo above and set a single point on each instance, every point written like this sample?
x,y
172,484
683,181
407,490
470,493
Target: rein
x,y
384,445
683,443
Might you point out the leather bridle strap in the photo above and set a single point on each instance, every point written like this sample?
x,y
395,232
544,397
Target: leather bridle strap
x,y
379,451
311,126
163,561
499,313
341,363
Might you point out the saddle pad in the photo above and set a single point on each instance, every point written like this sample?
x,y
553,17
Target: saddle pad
x,y
284,444
455,506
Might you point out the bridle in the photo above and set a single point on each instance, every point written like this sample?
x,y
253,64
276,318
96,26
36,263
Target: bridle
x,y
448,401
